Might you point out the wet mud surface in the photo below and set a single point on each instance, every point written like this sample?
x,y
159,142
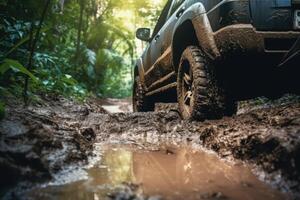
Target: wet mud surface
x,y
170,173
57,143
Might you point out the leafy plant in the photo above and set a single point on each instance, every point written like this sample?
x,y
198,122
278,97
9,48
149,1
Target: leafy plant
x,y
16,67
2,110
84,46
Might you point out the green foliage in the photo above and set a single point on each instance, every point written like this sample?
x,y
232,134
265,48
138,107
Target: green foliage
x,y
116,77
100,63
2,110
16,67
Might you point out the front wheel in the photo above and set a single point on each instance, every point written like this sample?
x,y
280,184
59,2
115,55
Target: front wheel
x,y
200,96
141,103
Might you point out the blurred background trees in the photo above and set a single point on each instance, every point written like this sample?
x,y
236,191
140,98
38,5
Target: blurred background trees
x,y
71,47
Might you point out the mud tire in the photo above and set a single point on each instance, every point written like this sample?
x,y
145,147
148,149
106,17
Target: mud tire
x,y
208,100
140,102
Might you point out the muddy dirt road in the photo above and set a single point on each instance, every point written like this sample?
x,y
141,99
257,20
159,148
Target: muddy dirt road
x,y
60,149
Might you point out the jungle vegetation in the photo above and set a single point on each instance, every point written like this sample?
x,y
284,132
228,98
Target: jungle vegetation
x,y
74,48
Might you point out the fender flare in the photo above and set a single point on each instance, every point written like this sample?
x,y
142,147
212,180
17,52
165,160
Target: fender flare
x,y
197,15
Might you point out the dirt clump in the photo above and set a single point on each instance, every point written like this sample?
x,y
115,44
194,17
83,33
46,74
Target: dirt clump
x,y
40,140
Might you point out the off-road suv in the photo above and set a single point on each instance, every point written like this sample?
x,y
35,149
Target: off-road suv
x,y
209,54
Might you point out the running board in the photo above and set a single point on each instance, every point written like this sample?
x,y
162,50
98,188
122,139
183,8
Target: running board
x,y
162,89
168,79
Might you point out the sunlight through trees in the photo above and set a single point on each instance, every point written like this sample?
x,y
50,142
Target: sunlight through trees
x,y
85,47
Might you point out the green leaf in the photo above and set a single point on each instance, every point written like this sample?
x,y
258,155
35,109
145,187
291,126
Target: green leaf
x,y
2,110
15,65
4,67
22,41
91,56
68,79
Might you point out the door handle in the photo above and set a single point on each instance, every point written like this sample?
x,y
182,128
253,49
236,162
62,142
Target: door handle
x,y
156,37
180,12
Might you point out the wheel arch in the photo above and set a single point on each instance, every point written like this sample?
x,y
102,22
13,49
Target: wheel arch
x,y
184,36
194,28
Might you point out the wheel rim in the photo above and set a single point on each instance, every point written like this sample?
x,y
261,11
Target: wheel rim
x,y
187,88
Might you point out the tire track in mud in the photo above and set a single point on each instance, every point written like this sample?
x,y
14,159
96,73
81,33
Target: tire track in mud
x,y
41,140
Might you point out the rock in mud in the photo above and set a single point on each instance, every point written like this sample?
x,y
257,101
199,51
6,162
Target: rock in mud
x,y
130,191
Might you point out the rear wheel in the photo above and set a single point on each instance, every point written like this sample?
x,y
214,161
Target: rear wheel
x,y
199,94
141,103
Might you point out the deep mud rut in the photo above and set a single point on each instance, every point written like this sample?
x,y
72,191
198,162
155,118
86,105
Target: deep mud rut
x,y
57,141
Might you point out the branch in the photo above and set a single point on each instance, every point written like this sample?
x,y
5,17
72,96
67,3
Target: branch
x,y
32,46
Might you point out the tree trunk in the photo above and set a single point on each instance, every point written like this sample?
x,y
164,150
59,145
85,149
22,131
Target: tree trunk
x,y
86,25
62,3
79,29
32,45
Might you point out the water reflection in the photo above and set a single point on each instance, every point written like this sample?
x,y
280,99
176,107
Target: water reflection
x,y
172,173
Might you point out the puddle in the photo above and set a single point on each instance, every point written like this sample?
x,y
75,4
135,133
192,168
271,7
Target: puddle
x,y
170,173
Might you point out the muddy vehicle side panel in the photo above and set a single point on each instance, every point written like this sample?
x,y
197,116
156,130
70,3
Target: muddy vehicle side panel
x,y
228,13
265,15
275,15
161,57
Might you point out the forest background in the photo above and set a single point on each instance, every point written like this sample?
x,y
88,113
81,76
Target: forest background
x,y
73,48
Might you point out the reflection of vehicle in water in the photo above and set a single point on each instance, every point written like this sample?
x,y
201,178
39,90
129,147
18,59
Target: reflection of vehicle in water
x,y
217,52
187,174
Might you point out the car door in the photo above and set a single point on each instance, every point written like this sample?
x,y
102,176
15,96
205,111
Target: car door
x,y
154,50
162,40
177,9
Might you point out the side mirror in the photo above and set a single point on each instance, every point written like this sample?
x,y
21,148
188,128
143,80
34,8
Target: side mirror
x,y
143,34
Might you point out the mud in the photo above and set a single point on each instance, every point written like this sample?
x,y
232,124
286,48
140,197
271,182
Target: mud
x,y
39,141
57,135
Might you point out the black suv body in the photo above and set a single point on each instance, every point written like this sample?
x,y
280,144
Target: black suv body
x,y
208,54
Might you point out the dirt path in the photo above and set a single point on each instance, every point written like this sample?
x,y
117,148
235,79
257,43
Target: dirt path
x,y
117,105
41,141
